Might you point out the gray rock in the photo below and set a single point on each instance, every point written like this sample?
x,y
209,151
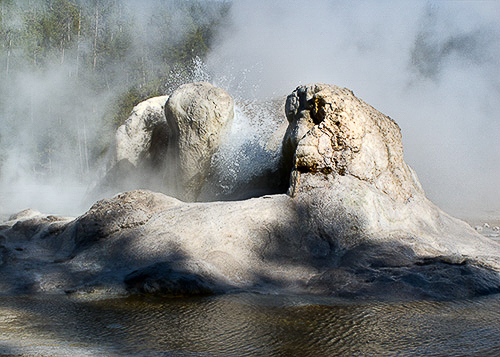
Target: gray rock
x,y
134,139
245,164
356,224
197,115
24,214
139,154
145,242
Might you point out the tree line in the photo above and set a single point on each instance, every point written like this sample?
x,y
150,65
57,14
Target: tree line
x,y
117,52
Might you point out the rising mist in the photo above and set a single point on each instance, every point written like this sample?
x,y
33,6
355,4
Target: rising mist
x,y
71,71
431,66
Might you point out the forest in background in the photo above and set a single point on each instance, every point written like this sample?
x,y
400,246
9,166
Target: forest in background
x,y
72,70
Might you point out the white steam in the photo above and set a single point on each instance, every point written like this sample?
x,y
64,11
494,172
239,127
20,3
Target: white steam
x,y
251,147
432,66
55,117
48,126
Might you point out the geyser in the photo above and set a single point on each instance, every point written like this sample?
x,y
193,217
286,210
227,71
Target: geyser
x,y
432,65
356,223
198,145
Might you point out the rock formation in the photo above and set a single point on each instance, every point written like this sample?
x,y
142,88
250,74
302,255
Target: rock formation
x,y
140,149
167,143
355,223
333,132
135,138
347,160
197,115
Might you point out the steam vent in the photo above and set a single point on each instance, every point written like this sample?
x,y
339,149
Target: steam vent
x,y
349,217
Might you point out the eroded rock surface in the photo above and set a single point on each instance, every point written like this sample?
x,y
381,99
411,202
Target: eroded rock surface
x,y
333,132
347,160
197,115
146,242
140,150
355,224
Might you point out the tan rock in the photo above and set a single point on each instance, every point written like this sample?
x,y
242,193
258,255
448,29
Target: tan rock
x,y
134,138
332,131
197,115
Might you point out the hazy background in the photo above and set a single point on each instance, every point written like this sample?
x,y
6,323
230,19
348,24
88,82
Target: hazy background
x,y
433,66
70,73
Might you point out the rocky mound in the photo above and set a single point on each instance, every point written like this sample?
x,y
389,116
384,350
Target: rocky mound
x,y
334,133
355,223
167,143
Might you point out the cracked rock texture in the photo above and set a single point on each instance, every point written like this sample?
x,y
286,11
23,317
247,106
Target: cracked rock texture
x,y
333,132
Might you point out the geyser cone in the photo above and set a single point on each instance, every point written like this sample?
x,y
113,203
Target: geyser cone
x,y
356,224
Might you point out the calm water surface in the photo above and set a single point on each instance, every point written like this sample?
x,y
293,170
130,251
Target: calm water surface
x,y
247,324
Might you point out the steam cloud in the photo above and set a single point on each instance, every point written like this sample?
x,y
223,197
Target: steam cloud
x,y
432,66
52,125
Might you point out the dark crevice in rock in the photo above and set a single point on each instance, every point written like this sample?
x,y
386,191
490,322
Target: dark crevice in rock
x,y
450,260
157,150
165,279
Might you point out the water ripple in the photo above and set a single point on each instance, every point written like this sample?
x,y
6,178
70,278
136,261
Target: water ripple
x,y
248,325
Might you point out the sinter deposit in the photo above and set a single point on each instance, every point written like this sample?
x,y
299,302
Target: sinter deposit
x,y
354,222
139,151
